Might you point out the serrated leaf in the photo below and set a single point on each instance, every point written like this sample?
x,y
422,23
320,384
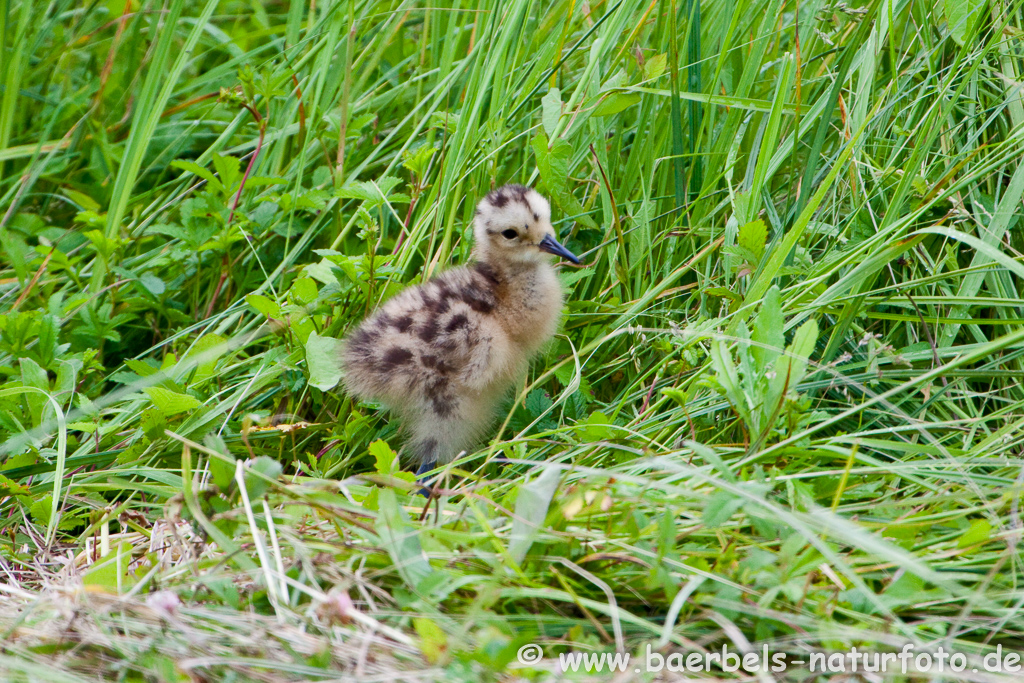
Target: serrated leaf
x,y
195,169
9,487
552,164
753,236
596,427
41,510
374,193
416,162
537,402
171,402
153,423
386,459
227,169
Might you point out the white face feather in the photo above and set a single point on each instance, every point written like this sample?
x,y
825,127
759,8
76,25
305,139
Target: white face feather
x,y
512,208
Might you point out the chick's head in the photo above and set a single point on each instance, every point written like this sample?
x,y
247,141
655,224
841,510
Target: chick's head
x,y
513,225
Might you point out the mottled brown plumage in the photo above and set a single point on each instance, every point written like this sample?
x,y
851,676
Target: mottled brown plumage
x,y
442,355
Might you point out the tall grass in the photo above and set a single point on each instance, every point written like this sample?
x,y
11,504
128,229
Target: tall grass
x,y
785,409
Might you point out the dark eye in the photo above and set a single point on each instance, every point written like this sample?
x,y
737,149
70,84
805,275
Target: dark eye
x,y
509,234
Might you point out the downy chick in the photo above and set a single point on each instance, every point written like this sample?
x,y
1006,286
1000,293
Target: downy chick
x,y
442,356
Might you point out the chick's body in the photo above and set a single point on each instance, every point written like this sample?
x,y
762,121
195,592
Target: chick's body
x,y
442,355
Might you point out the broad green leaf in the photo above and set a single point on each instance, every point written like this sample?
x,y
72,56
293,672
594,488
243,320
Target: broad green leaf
x,y
222,472
304,290
209,347
753,236
385,458
596,427
400,539
961,14
433,641
255,485
768,334
227,169
171,402
41,510
551,108
719,508
532,503
264,305
615,102
9,487
195,169
34,376
980,531
790,368
153,422
655,66
111,573
323,360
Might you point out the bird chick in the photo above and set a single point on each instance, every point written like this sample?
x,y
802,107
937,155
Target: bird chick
x,y
442,356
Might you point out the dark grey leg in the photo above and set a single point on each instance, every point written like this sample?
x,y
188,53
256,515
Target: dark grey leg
x,y
424,468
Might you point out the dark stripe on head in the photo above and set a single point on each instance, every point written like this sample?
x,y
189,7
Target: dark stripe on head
x,y
517,192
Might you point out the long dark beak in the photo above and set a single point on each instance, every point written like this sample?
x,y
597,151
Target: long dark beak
x,y
551,245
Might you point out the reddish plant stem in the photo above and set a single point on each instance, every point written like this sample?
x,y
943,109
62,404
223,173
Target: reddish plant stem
x,y
252,160
216,293
405,228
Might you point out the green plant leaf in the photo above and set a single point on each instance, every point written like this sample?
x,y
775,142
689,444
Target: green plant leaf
x,y
171,402
255,485
400,539
719,508
323,360
551,107
532,504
